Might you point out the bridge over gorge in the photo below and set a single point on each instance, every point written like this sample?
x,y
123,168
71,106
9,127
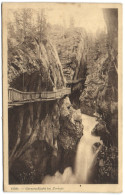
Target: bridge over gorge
x,y
18,98
73,82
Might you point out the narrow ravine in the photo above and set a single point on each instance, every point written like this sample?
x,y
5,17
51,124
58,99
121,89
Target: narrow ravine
x,y
58,139
84,157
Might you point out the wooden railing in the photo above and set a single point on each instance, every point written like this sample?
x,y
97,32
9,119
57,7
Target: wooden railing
x,y
15,96
74,81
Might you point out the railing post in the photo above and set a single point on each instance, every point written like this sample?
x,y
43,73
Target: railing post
x,y
12,95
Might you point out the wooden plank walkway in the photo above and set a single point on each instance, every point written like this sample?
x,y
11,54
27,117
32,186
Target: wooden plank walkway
x,y
18,98
74,81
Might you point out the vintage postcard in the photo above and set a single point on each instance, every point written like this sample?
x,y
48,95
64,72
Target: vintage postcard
x,y
62,97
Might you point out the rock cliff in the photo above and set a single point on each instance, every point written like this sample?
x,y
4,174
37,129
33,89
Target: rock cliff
x,y
41,134
100,98
72,48
101,93
34,66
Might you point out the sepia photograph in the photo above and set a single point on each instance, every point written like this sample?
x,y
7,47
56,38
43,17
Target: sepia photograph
x,y
62,121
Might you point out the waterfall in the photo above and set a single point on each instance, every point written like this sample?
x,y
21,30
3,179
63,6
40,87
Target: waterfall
x,y
85,154
84,157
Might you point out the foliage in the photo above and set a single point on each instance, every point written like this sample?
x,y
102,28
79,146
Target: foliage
x,y
107,163
26,23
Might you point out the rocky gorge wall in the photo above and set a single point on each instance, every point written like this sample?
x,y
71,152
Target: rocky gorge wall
x,y
34,66
42,139
100,98
71,50
94,58
43,136
72,47
101,93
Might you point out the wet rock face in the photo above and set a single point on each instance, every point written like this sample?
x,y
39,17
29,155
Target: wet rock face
x,y
101,130
31,166
33,124
101,88
34,66
44,133
96,147
71,128
35,140
94,83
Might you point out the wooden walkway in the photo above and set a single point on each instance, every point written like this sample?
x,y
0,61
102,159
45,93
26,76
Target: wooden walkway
x,y
18,98
70,82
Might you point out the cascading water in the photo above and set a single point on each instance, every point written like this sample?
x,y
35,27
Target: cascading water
x,y
84,158
85,154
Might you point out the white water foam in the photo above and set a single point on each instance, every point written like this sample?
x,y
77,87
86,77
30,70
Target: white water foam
x,y
84,157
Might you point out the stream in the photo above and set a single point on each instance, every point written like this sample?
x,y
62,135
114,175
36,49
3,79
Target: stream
x,y
84,157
